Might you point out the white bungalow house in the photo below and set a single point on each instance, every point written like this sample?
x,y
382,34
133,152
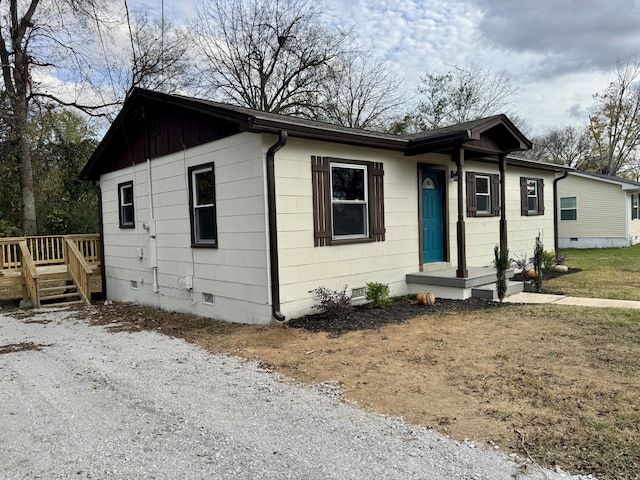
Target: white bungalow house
x,y
596,211
238,215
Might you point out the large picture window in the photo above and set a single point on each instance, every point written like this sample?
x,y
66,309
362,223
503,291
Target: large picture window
x,y
348,201
203,206
126,211
568,208
531,196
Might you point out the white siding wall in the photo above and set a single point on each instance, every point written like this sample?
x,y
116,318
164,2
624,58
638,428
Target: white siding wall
x,y
304,267
483,233
603,214
235,273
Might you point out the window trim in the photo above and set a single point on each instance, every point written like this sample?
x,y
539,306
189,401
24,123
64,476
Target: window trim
x,y
322,201
488,195
121,206
365,202
524,196
192,171
575,208
635,209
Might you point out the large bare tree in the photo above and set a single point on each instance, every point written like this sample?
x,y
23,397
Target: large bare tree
x,y
614,128
460,95
267,55
568,146
78,41
360,92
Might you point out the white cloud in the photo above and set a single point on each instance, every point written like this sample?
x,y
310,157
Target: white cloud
x,y
557,52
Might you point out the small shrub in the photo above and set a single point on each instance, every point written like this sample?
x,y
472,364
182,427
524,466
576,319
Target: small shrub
x,y
548,260
538,259
502,265
521,262
336,304
378,294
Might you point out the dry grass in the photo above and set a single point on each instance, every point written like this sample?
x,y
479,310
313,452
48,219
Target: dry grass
x,y
559,383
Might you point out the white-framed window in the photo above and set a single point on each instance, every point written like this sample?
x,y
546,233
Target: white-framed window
x,y
126,212
349,201
532,196
483,194
568,208
203,206
635,206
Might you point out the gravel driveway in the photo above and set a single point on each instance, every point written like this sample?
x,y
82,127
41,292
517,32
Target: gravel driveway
x,y
95,404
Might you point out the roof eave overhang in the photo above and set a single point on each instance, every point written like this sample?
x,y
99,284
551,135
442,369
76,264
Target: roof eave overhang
x,y
321,134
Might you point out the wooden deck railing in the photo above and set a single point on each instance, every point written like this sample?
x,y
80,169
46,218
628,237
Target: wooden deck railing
x,y
22,257
30,273
79,269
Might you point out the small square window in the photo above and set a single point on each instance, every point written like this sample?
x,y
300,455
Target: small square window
x,y
126,212
208,299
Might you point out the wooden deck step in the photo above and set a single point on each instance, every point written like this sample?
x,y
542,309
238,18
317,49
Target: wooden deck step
x,y
61,295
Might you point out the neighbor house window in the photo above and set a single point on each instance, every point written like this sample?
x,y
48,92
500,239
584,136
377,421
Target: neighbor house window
x,y
568,208
483,194
635,206
125,202
531,196
202,201
348,201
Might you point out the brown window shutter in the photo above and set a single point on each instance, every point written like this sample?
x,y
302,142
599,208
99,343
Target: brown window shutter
x,y
495,195
321,192
524,202
472,204
541,196
376,201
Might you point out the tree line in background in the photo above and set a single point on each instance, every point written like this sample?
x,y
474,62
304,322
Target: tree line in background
x,y
281,56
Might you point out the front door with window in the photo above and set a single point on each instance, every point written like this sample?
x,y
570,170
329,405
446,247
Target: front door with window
x,y
432,217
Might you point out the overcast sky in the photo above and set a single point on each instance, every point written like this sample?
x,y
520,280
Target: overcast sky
x,y
557,52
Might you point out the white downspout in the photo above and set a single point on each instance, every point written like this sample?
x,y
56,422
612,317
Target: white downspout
x,y
153,243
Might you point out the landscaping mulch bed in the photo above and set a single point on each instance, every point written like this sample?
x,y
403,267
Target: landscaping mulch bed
x,y
529,286
365,317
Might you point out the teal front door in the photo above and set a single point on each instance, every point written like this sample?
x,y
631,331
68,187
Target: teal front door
x,y
432,228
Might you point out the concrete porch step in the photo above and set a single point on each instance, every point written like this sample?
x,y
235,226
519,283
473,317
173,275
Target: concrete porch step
x,y
490,292
446,284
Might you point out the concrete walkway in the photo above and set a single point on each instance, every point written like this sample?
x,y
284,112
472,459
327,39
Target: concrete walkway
x,y
524,297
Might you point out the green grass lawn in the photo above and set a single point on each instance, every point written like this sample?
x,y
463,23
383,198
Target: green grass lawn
x,y
606,273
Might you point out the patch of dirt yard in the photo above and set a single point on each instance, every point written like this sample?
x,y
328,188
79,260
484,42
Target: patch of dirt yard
x,y
559,384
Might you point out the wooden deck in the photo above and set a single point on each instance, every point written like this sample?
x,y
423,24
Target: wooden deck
x,y
51,269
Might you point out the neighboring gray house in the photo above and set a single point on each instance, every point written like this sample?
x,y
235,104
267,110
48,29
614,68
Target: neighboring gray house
x,y
596,211
238,215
